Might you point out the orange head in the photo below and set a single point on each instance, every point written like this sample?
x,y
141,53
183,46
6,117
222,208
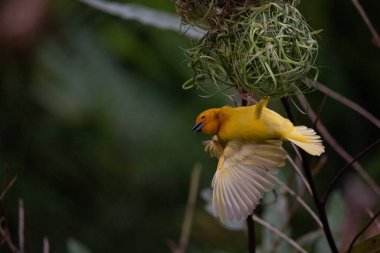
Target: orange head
x,y
207,121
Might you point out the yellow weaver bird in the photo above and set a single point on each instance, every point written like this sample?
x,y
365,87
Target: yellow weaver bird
x,y
248,143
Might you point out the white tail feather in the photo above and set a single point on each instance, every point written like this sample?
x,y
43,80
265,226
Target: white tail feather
x,y
307,139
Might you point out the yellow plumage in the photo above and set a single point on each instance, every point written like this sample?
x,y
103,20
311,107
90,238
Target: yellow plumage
x,y
257,123
247,141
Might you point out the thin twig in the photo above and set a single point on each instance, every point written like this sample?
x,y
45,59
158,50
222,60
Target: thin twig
x,y
320,110
343,100
5,233
21,226
310,235
347,166
338,148
299,173
300,200
371,214
317,167
295,148
375,35
294,207
279,233
7,187
362,231
319,205
189,213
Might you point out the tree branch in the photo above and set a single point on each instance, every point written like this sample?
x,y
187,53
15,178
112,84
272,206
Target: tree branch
x,y
347,166
188,221
299,200
319,111
338,148
7,187
320,206
375,35
279,233
299,173
4,232
345,101
251,234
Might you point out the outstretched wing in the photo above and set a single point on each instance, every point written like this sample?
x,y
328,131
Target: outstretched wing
x,y
243,175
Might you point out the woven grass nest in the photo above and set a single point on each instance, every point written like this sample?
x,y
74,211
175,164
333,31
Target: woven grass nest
x,y
267,50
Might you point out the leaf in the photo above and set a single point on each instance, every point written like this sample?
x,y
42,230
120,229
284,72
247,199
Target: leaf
x,y
371,245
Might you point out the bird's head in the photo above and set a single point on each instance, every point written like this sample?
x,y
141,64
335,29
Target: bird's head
x,y
207,122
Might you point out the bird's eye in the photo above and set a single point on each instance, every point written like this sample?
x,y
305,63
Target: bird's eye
x,y
203,117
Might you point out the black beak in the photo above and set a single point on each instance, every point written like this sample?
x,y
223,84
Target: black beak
x,y
198,127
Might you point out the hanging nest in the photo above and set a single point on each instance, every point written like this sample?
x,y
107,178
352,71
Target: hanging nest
x,y
267,50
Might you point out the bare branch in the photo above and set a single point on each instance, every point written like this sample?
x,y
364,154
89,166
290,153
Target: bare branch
x,y
146,16
279,233
321,208
339,149
299,173
317,167
5,234
188,221
348,165
347,102
375,35
7,187
300,200
371,214
310,235
251,234
320,110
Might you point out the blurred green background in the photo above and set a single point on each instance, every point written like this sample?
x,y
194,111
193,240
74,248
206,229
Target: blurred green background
x,y
97,128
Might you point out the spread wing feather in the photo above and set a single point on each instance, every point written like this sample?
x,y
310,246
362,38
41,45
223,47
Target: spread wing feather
x,y
243,175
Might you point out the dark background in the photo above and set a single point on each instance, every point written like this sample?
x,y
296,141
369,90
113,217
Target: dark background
x,y
97,128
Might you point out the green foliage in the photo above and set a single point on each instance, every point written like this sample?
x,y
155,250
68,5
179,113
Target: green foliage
x,y
371,245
